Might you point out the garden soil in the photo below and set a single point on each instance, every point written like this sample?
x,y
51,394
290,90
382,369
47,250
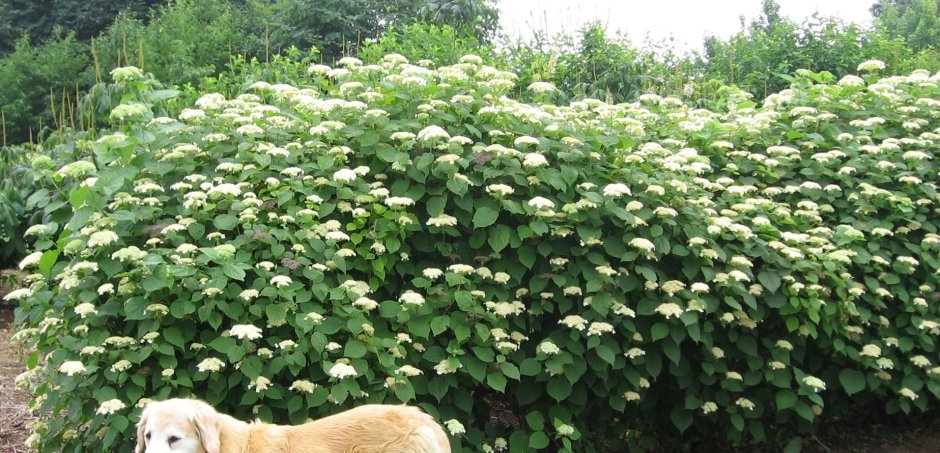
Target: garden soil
x,y
13,413
923,436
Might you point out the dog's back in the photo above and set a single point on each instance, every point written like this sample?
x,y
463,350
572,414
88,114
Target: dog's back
x,y
374,428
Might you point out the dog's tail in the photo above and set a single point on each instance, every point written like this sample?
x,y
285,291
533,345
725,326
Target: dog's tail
x,y
431,439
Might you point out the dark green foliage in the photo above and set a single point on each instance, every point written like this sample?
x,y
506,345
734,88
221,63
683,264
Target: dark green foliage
x,y
34,79
879,8
13,193
38,19
598,66
288,67
334,26
182,43
481,16
917,21
338,27
758,58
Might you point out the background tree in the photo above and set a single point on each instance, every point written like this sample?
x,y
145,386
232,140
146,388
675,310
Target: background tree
x,y
481,16
878,8
37,19
338,27
917,21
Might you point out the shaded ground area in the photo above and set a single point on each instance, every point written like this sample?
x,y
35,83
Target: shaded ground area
x,y
921,435
13,413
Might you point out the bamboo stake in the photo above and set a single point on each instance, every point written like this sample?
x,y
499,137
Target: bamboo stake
x,y
71,121
94,57
77,112
140,54
3,119
91,109
127,59
55,117
267,42
62,110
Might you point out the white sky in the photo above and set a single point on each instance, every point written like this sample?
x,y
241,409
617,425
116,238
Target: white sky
x,y
688,21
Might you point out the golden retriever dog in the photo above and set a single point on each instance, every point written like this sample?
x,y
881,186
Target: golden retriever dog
x,y
193,426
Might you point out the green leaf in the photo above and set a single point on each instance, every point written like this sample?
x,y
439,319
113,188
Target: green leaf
x,y
404,392
747,345
530,367
852,381
659,331
233,272
681,418
496,381
47,260
173,336
795,445
509,370
535,420
606,354
805,411
369,138
438,388
770,280
559,388
225,222
355,349
538,440
476,368
526,256
499,237
439,324
519,442
276,313
671,349
484,217
786,399
152,284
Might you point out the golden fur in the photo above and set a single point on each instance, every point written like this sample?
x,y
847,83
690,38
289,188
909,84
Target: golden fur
x,y
193,426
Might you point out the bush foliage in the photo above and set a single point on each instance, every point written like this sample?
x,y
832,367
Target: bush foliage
x,y
580,277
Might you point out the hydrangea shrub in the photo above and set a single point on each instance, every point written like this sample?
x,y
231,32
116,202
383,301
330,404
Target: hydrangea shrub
x,y
536,276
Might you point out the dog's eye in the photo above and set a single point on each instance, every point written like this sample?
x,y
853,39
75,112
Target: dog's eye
x,y
172,439
147,436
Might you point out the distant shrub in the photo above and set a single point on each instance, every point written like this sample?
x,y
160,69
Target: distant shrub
x,y
442,44
182,43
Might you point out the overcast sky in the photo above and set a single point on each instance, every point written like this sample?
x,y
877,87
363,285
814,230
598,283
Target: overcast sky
x,y
688,21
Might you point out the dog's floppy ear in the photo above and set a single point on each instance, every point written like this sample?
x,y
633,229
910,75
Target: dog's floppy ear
x,y
207,424
141,426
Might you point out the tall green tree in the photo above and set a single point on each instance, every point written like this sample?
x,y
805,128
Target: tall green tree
x,y
917,21
481,16
333,26
337,27
878,8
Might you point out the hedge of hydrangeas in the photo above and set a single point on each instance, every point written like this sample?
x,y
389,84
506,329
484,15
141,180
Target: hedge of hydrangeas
x,y
582,277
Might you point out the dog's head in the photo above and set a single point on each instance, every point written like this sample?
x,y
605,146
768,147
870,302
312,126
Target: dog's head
x,y
178,426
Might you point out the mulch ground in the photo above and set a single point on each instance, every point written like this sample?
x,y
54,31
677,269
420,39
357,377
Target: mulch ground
x,y
13,413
